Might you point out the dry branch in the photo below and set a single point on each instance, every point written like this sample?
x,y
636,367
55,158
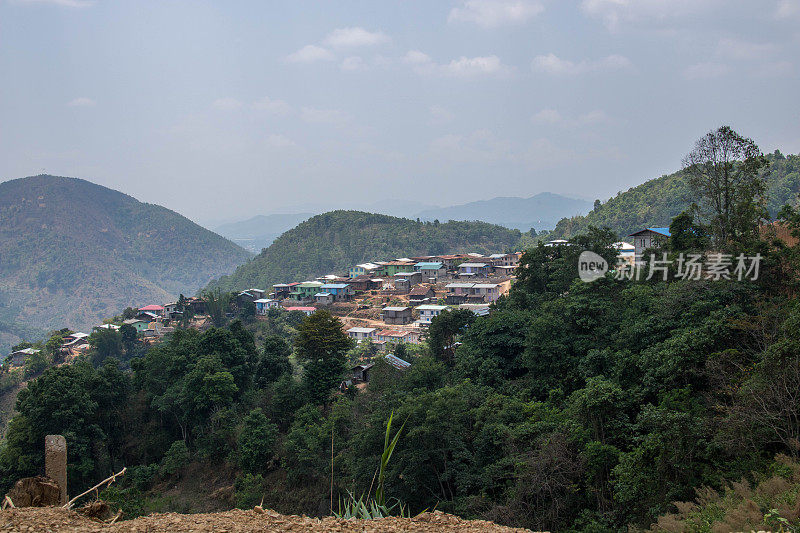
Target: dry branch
x,y
108,480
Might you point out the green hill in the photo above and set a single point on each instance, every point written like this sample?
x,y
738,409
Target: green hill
x,y
74,252
655,202
332,242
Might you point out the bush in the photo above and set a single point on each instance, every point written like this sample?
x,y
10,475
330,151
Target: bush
x,y
176,458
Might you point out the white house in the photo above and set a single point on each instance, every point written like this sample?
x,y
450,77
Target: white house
x,y
359,334
428,312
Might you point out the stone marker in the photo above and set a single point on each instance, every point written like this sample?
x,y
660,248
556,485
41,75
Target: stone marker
x,y
55,462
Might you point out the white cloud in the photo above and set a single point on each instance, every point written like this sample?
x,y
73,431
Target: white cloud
x,y
353,63
440,115
776,69
227,103
309,54
415,57
61,3
547,116
277,107
461,67
82,101
701,71
280,141
354,37
614,13
553,117
744,50
323,116
495,13
475,66
787,9
480,146
552,64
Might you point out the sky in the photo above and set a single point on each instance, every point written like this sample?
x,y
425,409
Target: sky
x,y
222,110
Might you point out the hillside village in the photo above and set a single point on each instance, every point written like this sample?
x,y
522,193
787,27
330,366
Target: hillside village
x,y
385,303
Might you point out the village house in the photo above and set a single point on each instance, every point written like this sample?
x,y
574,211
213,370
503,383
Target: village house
x,y
478,309
359,334
138,324
306,290
306,310
504,260
428,312
147,316
557,242
156,310
365,283
394,336
457,293
397,315
430,270
485,292
474,269
396,362
505,270
324,298
649,238
364,269
17,358
450,262
360,373
390,268
421,294
340,292
404,281
263,305
73,340
281,291
112,327
197,305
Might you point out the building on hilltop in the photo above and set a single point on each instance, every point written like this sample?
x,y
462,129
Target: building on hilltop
x,y
649,238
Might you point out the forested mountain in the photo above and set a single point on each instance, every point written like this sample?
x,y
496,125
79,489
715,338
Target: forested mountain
x,y
655,202
333,242
260,231
74,252
540,212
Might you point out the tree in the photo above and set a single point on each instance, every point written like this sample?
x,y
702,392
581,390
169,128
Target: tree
x,y
256,442
217,303
273,361
129,339
686,235
321,347
724,171
105,343
443,331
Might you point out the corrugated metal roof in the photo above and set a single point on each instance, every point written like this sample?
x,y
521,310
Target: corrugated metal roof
x,y
397,362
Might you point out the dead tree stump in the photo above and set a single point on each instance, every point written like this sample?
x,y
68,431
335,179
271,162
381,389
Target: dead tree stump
x,y
35,492
55,463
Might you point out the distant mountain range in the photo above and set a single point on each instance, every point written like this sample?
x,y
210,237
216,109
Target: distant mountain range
x,y
332,242
73,252
541,211
258,232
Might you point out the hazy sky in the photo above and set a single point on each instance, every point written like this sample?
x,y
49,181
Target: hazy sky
x,y
233,108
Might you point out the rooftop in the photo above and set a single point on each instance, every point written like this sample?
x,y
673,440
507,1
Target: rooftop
x,y
472,265
360,330
395,309
429,307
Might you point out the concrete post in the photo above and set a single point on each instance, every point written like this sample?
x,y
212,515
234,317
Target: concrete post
x,y
55,462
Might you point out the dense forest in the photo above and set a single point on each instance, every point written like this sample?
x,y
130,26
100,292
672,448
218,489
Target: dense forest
x,y
655,202
333,242
631,402
74,252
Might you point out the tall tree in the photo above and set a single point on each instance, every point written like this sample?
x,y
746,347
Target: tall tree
x,y
724,171
321,347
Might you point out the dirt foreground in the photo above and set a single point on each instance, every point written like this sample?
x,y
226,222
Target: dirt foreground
x,y
50,519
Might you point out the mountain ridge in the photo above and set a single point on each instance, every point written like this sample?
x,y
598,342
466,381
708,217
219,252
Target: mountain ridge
x,y
75,252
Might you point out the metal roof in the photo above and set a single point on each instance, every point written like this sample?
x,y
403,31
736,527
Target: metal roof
x,y
474,265
360,330
397,309
335,286
428,307
396,362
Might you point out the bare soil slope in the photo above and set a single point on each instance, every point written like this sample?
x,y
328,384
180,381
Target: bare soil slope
x,y
237,521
